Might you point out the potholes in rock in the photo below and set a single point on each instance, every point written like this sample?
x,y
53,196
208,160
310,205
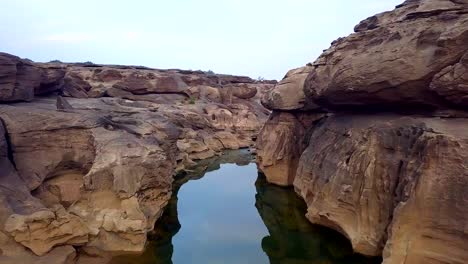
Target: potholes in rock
x,y
61,189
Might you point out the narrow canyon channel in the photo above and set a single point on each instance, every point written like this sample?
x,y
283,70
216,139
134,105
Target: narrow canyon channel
x,y
224,211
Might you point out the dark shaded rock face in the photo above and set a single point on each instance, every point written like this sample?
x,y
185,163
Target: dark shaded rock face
x,y
373,134
21,79
291,238
18,78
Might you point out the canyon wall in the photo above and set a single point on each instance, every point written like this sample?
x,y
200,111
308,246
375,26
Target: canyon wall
x,y
374,134
88,152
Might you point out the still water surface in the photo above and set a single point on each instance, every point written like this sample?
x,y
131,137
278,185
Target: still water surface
x,y
225,213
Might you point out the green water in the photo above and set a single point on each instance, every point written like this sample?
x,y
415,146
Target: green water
x,y
224,212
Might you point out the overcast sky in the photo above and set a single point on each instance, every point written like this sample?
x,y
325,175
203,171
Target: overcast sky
x,y
247,37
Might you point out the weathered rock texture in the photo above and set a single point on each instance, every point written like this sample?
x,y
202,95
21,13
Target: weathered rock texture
x,y
21,79
87,159
373,134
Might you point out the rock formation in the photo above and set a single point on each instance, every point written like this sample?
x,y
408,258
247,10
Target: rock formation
x,y
88,152
373,134
291,238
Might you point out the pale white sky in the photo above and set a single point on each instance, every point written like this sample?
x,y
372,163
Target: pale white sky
x,y
246,37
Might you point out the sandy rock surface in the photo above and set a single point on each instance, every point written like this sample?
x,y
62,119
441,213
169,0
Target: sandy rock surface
x,y
373,134
88,152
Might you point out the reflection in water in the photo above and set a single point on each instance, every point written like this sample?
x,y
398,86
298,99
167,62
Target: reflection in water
x,y
292,238
223,202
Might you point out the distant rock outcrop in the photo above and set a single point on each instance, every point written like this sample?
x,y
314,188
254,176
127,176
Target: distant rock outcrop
x,y
373,134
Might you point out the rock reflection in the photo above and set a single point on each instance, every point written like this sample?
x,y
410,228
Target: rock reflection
x,y
160,247
292,239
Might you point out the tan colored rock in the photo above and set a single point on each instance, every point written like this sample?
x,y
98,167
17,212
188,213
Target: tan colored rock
x,y
361,177
119,160
280,145
118,225
243,91
43,230
288,94
195,149
213,143
221,118
430,227
18,78
278,148
14,253
202,92
140,83
155,98
109,75
63,142
15,196
52,79
98,174
452,82
65,189
392,58
393,184
246,119
75,86
230,141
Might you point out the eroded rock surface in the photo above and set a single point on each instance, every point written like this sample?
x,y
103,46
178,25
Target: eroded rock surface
x,y
88,163
281,144
21,79
452,82
288,94
392,58
364,177
381,157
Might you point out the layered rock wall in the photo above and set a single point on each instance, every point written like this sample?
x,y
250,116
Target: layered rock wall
x,y
88,152
382,157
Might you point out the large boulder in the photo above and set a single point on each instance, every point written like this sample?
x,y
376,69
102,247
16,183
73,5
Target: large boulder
x,y
392,58
386,166
243,91
288,94
18,78
75,86
393,182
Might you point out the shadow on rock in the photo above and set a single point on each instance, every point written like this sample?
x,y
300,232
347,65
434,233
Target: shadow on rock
x,y
292,238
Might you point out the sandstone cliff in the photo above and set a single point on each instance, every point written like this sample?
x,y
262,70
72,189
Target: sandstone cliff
x,y
373,134
88,152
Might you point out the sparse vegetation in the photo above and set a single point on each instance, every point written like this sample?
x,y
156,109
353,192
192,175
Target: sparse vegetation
x,y
192,100
210,72
260,79
55,61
